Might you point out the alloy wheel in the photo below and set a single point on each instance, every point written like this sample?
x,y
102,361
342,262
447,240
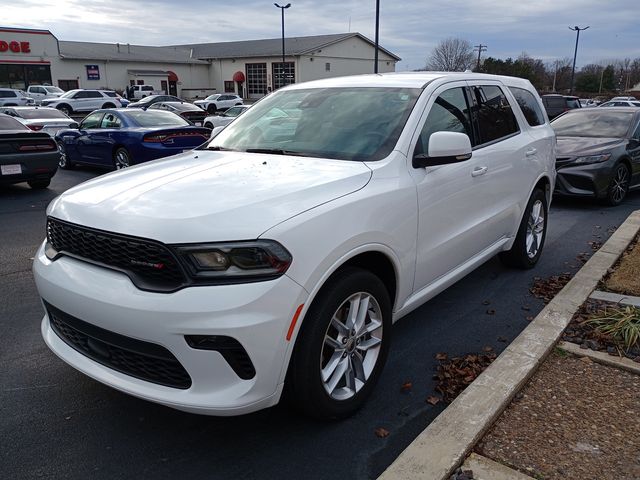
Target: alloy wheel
x,y
62,163
535,229
122,159
351,346
620,184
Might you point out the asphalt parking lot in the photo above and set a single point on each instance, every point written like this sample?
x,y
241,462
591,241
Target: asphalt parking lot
x,y
57,423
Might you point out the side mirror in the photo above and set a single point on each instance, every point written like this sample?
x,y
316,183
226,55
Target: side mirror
x,y
74,125
444,148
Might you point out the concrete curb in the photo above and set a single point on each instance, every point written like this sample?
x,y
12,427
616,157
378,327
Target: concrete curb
x,y
484,468
601,357
444,444
616,298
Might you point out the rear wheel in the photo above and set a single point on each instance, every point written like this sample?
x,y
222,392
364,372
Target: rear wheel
x,y
619,185
108,105
121,158
342,347
527,248
208,125
39,184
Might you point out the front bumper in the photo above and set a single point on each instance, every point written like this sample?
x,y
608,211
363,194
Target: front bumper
x,y
257,315
584,180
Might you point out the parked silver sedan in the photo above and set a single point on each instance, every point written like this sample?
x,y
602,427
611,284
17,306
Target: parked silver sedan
x,y
226,118
41,119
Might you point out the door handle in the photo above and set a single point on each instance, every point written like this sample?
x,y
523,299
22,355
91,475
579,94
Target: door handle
x,y
531,152
476,172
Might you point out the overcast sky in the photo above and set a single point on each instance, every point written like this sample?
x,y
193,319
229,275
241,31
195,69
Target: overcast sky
x,y
410,29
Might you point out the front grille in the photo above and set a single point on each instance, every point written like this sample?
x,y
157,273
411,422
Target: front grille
x,y
143,360
150,265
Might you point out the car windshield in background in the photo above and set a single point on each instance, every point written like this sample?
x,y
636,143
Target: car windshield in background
x,y
8,123
42,113
593,123
359,124
68,94
212,97
156,118
54,90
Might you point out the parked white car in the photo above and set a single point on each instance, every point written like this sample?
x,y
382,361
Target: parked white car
x,y
80,100
12,97
219,102
280,253
41,119
226,118
620,103
142,91
42,92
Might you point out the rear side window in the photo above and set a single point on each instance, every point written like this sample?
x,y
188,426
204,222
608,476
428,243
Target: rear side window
x,y
93,94
110,94
495,117
7,94
554,102
529,106
573,103
449,113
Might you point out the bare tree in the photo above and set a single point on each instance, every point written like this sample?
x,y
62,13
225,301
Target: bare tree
x,y
451,55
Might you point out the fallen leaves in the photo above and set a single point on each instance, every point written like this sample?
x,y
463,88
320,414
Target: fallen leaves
x,y
406,387
441,356
433,400
546,289
381,432
454,375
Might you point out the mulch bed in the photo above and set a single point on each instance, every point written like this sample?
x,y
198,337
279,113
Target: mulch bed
x,y
455,374
575,419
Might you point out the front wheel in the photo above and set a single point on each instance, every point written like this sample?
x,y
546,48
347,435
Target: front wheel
x,y
212,109
66,109
64,161
39,184
619,185
342,346
527,248
208,125
121,158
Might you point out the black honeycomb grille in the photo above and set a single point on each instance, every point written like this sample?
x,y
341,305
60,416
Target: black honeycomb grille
x,y
139,359
150,265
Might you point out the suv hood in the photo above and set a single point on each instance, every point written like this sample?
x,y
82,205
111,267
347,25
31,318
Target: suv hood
x,y
206,196
574,146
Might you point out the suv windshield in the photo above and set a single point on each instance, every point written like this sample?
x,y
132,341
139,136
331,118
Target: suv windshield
x,y
593,123
352,123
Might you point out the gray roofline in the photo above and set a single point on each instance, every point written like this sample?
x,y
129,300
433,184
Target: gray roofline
x,y
351,35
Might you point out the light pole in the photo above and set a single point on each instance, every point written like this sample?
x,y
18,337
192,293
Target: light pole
x,y
375,59
282,9
576,29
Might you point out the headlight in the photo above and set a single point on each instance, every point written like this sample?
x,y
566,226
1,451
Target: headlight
x,y
231,262
603,157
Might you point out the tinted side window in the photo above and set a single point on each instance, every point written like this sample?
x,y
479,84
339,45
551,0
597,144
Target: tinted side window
x,y
7,94
92,121
449,113
93,94
80,95
494,114
529,106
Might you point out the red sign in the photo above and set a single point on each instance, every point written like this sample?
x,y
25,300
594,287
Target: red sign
x,y
15,47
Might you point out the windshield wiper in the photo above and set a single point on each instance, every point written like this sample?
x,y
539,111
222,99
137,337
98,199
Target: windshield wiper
x,y
275,151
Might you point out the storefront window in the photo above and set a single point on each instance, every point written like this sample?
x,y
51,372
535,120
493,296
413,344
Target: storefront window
x,y
21,76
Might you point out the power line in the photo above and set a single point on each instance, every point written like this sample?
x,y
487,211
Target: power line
x,y
480,48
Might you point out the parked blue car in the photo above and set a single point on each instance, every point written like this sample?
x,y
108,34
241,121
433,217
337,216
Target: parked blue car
x,y
119,137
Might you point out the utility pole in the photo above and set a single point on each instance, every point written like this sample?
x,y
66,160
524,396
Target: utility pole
x,y
481,48
601,78
375,59
576,29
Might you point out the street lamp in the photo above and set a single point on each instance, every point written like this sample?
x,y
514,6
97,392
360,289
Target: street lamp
x,y
375,60
282,9
575,53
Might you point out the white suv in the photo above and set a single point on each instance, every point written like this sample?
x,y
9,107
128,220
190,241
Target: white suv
x,y
42,92
277,256
11,97
219,102
80,100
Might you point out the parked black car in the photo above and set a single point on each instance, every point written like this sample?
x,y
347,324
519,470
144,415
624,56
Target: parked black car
x,y
146,102
556,104
186,110
25,155
598,152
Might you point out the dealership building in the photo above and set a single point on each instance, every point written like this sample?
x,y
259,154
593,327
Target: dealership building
x,y
249,68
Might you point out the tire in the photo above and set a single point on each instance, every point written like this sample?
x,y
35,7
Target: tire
x,y
324,348
121,158
108,105
619,185
527,248
64,161
66,109
212,109
39,184
238,104
208,125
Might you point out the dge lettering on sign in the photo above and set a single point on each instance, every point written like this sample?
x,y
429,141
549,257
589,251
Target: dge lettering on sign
x,y
15,47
